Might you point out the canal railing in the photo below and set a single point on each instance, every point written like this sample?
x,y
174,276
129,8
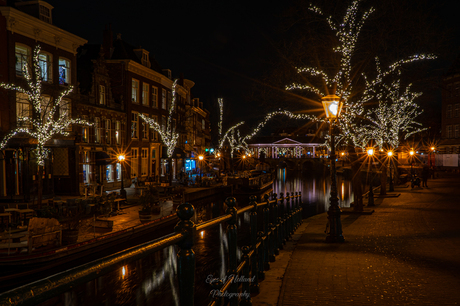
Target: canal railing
x,y
280,218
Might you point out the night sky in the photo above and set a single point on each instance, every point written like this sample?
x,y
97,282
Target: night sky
x,y
228,47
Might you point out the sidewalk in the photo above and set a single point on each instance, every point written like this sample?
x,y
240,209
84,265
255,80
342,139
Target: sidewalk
x,y
406,253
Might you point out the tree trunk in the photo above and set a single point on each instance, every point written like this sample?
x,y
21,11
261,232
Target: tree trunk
x,y
40,186
356,179
383,179
170,170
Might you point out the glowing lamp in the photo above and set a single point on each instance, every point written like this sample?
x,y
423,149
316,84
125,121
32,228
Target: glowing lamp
x,y
332,106
390,153
411,153
200,157
370,152
121,157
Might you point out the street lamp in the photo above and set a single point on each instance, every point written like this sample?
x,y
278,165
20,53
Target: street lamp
x,y
121,159
431,162
332,107
411,155
370,197
390,155
200,158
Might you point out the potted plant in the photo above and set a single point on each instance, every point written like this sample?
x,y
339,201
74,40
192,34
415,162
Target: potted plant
x,y
150,202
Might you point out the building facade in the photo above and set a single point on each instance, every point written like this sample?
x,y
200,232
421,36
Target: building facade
x,y
24,26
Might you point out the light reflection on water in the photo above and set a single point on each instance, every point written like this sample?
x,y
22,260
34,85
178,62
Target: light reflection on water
x,y
153,280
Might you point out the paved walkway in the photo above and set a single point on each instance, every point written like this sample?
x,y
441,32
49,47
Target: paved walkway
x,y
406,253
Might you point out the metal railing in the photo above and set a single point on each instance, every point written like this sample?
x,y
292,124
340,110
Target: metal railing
x,y
280,218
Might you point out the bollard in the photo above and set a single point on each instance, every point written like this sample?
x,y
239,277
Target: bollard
x,y
232,246
246,296
186,256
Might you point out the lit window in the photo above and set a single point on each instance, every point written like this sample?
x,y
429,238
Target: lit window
x,y
118,132
134,162
23,109
154,97
145,129
109,173
155,134
98,129
64,71
86,167
45,60
144,161
22,58
108,131
145,94
102,95
134,124
135,91
118,172
163,98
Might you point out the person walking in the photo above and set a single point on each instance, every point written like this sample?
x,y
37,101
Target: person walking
x,y
425,175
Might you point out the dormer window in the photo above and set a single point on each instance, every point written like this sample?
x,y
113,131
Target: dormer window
x,y
143,55
45,14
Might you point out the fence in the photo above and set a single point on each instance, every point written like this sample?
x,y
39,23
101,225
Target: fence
x,y
280,218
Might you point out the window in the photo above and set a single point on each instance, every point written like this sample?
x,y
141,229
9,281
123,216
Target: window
x,y
118,132
108,131
97,127
134,124
45,104
155,133
134,162
456,132
169,100
118,172
163,98
449,111
22,58
102,99
86,169
154,97
64,71
135,91
203,124
456,109
109,173
85,131
23,109
449,131
45,14
145,129
144,161
145,94
153,170
44,61
65,112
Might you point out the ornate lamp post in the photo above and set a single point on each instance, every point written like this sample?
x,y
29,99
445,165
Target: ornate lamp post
x,y
332,107
390,155
432,151
411,155
370,201
200,158
121,159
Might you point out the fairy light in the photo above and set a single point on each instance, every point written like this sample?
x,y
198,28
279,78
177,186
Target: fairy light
x,y
396,111
167,131
43,125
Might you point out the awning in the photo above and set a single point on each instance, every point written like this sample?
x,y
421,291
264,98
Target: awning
x,y
102,158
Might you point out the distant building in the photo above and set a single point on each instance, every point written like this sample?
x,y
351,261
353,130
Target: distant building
x,y
450,143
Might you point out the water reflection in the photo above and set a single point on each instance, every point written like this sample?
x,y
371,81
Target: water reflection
x,y
153,280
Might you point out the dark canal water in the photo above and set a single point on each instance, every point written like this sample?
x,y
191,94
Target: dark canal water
x,y
152,280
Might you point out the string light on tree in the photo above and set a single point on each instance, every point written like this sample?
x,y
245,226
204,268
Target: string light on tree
x,y
42,125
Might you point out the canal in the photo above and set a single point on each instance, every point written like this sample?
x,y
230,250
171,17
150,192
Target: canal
x,y
152,280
